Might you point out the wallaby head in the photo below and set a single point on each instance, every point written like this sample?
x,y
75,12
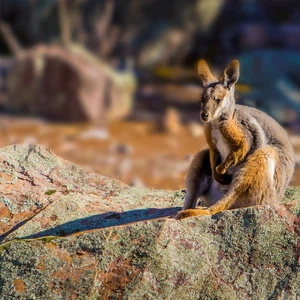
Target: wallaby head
x,y
217,100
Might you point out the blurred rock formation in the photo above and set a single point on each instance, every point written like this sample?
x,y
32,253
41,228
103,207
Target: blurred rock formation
x,y
68,85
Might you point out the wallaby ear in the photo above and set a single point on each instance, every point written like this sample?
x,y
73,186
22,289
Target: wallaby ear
x,y
204,73
231,74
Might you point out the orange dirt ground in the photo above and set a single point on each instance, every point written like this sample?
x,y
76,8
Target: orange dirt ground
x,y
134,152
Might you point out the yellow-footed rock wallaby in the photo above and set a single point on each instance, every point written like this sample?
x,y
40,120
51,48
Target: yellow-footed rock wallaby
x,y
250,160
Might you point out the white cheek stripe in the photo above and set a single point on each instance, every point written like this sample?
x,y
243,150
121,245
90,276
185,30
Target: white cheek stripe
x,y
225,104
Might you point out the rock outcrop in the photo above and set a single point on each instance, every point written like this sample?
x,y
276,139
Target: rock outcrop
x,y
68,85
70,234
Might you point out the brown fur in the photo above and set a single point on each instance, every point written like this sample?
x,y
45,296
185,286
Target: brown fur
x,y
250,160
237,142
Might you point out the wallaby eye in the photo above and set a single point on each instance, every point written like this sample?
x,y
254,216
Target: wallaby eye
x,y
218,100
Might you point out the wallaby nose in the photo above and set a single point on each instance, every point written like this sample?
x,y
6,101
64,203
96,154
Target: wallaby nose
x,y
204,116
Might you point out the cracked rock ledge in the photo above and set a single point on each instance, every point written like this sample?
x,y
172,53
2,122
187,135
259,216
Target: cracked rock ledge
x,y
67,233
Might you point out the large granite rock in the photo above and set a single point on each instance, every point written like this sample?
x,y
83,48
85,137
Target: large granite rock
x,y
70,234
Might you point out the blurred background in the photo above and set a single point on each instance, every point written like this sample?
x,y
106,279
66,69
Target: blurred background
x,y
112,85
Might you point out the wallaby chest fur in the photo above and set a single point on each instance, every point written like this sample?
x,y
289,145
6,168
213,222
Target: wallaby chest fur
x,y
257,128
220,142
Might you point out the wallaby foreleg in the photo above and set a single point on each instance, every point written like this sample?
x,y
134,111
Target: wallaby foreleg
x,y
198,179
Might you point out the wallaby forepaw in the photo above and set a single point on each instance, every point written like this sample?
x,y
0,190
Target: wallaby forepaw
x,y
191,213
220,170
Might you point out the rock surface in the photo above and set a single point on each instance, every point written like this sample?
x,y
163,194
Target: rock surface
x,y
70,234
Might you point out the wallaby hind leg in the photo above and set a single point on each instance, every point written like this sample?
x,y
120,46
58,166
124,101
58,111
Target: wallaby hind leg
x,y
256,183
198,180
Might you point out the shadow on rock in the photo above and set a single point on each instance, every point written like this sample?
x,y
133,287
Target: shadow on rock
x,y
108,219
